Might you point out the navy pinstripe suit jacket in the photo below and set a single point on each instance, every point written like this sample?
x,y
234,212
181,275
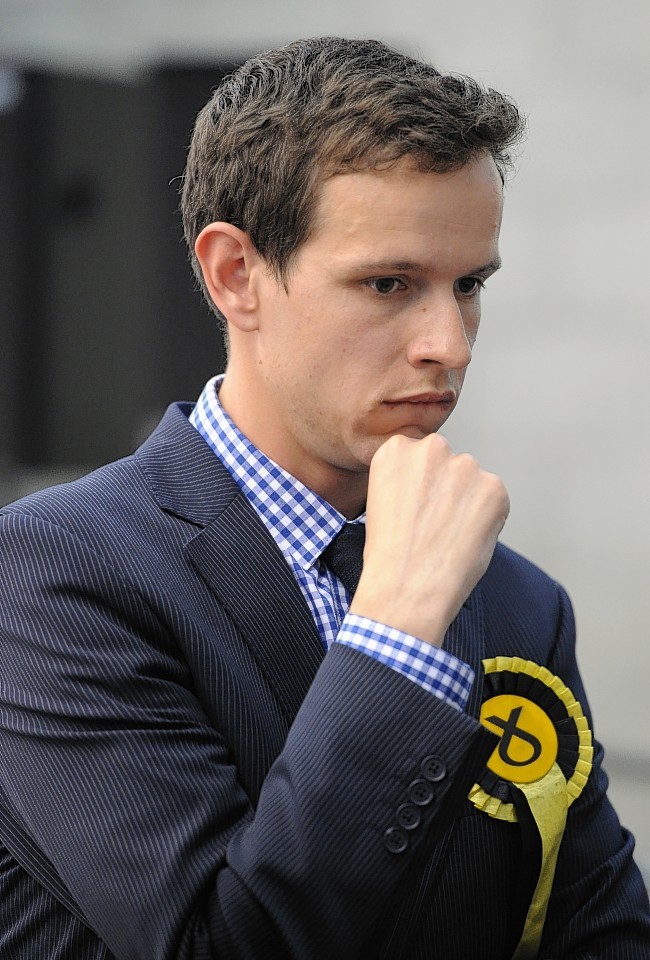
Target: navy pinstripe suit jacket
x,y
185,774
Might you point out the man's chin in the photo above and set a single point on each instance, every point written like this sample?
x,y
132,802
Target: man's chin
x,y
413,432
365,450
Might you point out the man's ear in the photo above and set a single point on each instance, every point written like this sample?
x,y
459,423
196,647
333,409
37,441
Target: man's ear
x,y
227,257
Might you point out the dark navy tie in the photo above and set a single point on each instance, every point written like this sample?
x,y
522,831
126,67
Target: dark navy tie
x,y
344,555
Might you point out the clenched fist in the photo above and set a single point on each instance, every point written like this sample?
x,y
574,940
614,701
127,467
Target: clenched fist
x,y
432,522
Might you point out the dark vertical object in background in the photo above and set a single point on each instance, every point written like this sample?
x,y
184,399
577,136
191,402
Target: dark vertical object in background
x,y
178,93
86,327
12,92
106,321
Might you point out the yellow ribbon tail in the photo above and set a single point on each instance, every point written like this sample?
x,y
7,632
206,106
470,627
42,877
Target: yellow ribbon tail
x,y
548,803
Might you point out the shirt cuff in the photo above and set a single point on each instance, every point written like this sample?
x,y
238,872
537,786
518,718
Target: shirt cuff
x,y
434,669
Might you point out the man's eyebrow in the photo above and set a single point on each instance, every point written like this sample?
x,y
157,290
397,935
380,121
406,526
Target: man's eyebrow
x,y
388,266
490,267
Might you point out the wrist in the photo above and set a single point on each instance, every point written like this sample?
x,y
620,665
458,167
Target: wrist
x,y
429,626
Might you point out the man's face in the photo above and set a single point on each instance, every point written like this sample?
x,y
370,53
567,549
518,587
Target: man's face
x,y
374,331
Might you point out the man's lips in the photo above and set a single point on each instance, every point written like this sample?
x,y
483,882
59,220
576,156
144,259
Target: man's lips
x,y
431,398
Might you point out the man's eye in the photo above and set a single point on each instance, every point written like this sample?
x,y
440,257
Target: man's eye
x,y
386,284
469,286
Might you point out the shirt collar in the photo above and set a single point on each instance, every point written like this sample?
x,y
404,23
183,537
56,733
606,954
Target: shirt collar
x,y
301,522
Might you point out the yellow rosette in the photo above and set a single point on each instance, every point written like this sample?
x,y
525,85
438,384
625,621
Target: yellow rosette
x,y
543,759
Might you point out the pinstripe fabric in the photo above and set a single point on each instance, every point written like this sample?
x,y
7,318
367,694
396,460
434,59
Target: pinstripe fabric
x,y
183,765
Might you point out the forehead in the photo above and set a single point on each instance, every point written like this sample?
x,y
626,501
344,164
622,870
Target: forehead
x,y
402,209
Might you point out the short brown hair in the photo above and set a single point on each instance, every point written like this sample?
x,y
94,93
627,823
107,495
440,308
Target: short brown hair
x,y
286,120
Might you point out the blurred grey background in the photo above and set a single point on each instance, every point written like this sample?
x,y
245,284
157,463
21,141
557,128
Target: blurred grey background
x,y
96,302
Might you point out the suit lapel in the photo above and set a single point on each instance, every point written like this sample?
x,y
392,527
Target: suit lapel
x,y
241,563
236,556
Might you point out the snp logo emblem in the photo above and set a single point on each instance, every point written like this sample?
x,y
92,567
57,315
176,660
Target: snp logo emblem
x,y
528,746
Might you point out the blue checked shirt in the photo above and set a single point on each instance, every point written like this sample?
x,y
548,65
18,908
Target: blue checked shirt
x,y
303,525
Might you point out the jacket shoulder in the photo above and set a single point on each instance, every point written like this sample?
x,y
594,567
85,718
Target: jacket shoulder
x,y
164,476
525,609
73,504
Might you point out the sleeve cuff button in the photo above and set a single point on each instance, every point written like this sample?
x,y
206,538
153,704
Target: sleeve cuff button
x,y
433,769
408,816
420,793
395,840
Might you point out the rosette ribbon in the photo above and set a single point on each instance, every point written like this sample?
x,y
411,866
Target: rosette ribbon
x,y
538,769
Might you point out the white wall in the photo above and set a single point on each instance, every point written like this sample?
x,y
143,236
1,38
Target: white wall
x,y
558,400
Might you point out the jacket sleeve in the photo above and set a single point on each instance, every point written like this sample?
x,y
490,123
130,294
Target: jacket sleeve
x,y
126,804
599,906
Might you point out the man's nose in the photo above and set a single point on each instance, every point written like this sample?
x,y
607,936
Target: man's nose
x,y
440,335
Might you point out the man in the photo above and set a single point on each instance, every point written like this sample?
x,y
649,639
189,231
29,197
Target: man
x,y
205,753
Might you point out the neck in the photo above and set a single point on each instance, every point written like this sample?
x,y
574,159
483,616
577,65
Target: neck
x,y
344,489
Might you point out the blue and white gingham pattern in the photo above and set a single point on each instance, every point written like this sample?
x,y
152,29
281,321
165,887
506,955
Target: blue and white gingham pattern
x,y
303,525
436,670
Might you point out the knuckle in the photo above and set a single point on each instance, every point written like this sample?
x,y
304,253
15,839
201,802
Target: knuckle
x,y
391,452
467,463
499,486
438,442
384,451
498,493
434,448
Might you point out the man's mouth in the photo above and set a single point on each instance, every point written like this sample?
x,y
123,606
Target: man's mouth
x,y
445,398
